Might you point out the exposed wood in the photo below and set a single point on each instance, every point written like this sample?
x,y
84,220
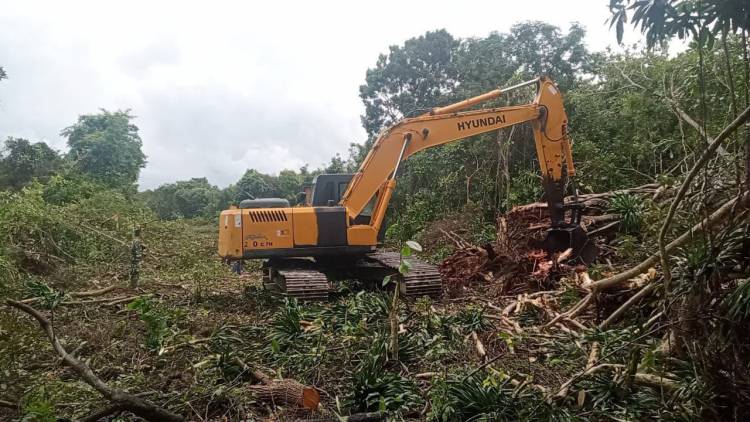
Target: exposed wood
x,y
426,375
593,355
87,293
192,342
574,311
651,380
98,292
124,300
282,391
478,345
132,403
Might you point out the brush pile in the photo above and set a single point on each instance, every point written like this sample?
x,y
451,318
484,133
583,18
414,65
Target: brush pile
x,y
516,261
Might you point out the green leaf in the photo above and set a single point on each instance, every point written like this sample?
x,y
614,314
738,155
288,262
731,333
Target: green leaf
x,y
386,280
414,245
405,251
405,267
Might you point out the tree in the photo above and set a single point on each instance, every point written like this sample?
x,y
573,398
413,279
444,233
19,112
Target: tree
x,y
409,80
3,75
106,147
290,184
662,20
254,184
336,165
186,198
22,161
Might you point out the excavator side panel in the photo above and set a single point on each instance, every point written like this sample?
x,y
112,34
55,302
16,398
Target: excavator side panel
x,y
267,228
362,234
305,226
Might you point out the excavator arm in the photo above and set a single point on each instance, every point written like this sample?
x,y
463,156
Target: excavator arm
x,y
376,175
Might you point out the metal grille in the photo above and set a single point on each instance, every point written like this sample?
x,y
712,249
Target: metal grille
x,y
267,216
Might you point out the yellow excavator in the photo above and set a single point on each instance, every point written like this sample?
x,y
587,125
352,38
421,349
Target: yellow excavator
x,y
336,231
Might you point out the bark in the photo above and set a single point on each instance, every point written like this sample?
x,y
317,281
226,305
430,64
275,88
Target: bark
x,y
129,402
650,380
101,413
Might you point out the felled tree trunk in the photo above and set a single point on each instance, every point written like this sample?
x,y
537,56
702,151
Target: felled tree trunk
x,y
284,391
288,392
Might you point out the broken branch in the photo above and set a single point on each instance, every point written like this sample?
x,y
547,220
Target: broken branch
x,y
625,306
139,407
716,217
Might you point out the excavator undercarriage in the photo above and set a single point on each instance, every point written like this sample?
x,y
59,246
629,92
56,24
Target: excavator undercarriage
x,y
311,279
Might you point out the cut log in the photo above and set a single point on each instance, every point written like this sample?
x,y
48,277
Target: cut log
x,y
282,391
287,392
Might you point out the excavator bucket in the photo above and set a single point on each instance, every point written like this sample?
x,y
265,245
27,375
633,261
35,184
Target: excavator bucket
x,y
573,237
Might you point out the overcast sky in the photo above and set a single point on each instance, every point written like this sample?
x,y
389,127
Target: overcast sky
x,y
220,87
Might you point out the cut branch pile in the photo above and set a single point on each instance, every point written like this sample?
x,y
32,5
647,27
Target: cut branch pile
x,y
516,260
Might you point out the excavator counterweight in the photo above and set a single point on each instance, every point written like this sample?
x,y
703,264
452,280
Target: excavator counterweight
x,y
337,228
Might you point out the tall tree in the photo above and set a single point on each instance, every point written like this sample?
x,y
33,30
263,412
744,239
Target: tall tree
x,y
22,161
662,20
106,147
408,80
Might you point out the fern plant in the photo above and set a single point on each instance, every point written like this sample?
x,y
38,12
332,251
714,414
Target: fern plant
x,y
631,210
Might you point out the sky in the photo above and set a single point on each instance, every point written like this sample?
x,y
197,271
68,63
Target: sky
x,y
219,87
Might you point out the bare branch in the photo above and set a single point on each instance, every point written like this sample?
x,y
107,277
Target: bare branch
x,y
142,408
717,217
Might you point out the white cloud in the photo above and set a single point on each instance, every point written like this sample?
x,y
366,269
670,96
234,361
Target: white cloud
x,y
225,86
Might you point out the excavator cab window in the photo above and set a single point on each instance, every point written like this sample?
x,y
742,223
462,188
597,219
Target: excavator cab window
x,y
329,188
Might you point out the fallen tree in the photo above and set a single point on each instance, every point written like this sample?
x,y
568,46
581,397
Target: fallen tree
x,y
737,204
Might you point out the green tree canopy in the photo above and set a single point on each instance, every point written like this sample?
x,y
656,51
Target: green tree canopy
x,y
409,79
185,198
254,184
22,161
661,20
436,69
106,147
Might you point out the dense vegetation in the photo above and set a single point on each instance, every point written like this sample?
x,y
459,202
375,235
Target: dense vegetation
x,y
639,116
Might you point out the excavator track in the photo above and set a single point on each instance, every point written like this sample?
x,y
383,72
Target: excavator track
x,y
297,278
422,280
306,279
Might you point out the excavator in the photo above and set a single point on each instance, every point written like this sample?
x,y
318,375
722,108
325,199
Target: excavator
x,y
336,231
